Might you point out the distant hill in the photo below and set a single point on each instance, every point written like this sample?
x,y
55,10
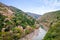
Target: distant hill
x,y
36,16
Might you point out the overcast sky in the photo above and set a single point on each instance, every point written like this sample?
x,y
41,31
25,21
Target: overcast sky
x,y
34,6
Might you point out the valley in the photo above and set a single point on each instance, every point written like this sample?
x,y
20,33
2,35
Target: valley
x,y
15,24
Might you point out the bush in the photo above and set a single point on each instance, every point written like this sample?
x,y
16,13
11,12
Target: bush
x,y
7,36
16,36
18,33
28,30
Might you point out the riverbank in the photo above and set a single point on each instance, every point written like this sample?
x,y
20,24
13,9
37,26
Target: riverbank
x,y
44,27
38,34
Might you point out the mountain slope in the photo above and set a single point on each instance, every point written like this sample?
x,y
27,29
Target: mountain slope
x,y
49,18
54,32
14,23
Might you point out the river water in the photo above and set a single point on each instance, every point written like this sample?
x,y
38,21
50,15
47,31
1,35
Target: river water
x,y
38,34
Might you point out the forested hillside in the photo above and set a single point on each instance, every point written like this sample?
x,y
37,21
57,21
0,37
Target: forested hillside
x,y
14,23
54,32
52,19
49,18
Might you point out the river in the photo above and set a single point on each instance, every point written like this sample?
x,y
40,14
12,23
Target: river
x,y
38,34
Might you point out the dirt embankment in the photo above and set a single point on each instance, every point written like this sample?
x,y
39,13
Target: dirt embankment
x,y
44,26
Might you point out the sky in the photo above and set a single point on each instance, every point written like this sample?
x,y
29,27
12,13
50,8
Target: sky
x,y
34,6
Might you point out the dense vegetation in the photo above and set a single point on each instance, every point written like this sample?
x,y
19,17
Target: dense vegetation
x,y
22,18
54,32
14,23
54,27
